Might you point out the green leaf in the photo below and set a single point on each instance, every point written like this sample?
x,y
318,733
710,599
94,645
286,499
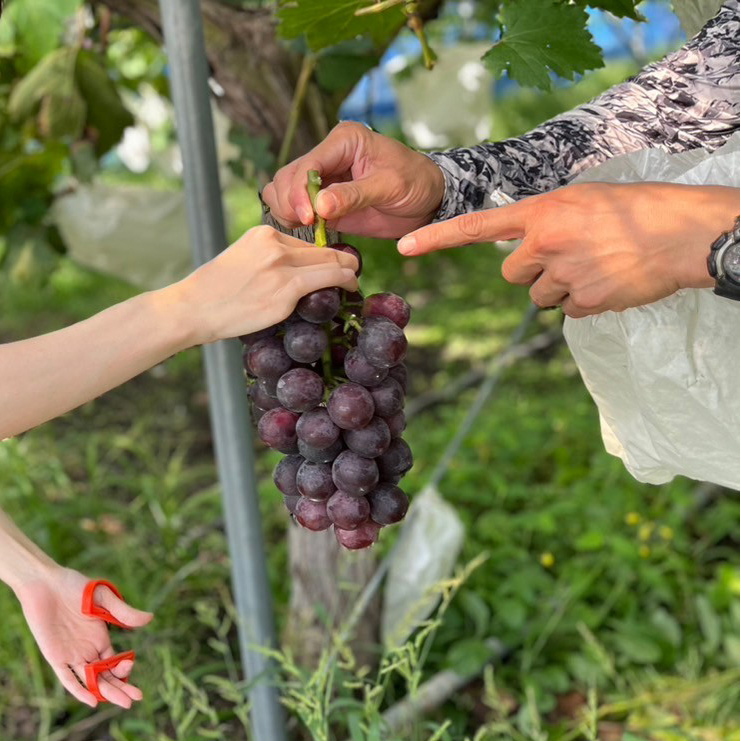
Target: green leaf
x,y
636,646
511,612
467,656
709,624
340,71
53,74
591,541
327,22
39,25
540,36
31,258
667,626
106,111
475,608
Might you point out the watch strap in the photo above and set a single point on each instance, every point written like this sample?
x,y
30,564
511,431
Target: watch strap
x,y
726,281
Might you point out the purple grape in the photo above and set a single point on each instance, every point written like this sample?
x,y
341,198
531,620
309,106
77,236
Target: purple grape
x,y
300,390
312,515
388,397
369,441
350,250
320,455
397,423
316,429
269,386
261,334
382,342
314,480
267,358
396,461
277,429
390,305
359,370
319,306
258,414
388,504
354,297
350,406
284,474
261,399
347,512
290,502
363,536
399,373
305,342
354,474
339,353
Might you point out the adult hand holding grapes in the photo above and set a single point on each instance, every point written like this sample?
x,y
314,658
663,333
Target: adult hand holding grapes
x,y
375,185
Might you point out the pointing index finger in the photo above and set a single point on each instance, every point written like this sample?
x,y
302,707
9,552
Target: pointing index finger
x,y
496,224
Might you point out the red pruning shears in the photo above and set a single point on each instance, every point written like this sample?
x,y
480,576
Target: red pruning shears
x,y
90,609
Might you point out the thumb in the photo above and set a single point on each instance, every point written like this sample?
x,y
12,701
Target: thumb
x,y
123,612
341,199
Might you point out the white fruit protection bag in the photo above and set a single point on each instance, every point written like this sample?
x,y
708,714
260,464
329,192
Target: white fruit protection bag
x,y
665,376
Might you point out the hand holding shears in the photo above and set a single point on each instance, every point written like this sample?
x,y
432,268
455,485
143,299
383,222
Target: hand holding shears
x,y
67,615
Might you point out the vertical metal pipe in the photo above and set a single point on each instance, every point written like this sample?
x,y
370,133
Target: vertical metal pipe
x,y
183,33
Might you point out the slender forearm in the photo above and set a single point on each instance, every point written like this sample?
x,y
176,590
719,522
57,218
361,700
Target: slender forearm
x,y
43,377
21,561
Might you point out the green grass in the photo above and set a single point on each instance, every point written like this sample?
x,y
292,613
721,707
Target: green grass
x,y
594,583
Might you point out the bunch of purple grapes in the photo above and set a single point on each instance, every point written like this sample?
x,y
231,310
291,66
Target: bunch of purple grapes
x,y
327,389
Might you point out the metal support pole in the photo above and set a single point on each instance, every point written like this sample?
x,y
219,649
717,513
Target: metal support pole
x,y
183,33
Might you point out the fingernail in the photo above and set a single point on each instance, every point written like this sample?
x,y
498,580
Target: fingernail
x,y
307,216
326,203
348,273
407,245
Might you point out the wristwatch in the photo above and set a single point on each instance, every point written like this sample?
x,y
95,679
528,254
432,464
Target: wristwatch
x,y
723,263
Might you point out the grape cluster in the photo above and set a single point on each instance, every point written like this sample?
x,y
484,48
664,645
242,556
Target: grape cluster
x,y
327,389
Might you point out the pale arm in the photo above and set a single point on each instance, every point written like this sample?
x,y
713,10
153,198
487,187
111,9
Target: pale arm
x,y
250,286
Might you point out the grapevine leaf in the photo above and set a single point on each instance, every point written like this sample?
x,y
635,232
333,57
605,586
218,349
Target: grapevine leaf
x,y
541,35
106,111
340,69
326,22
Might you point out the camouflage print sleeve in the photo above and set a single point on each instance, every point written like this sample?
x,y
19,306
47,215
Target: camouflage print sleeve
x,y
689,99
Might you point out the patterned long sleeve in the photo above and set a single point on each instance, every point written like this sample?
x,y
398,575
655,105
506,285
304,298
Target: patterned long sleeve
x,y
687,100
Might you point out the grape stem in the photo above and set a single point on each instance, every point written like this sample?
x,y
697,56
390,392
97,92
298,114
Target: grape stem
x,y
314,185
415,22
327,358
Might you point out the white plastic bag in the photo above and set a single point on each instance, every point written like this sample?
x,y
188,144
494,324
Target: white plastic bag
x,y
136,233
426,552
665,376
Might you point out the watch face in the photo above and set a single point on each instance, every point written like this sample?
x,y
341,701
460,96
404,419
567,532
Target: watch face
x,y
731,263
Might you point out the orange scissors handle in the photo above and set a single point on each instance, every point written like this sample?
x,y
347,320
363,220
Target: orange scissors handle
x,y
103,665
90,609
